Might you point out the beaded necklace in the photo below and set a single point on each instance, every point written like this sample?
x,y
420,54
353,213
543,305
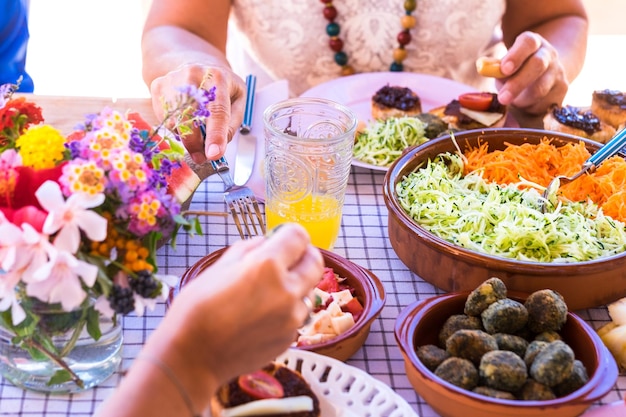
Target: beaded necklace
x,y
336,44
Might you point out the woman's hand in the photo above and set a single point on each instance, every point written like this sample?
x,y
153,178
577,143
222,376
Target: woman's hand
x,y
226,111
535,76
246,308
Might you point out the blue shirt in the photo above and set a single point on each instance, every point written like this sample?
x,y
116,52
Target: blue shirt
x,y
13,42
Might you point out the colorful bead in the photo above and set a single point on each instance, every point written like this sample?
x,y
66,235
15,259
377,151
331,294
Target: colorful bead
x,y
336,44
407,21
332,29
399,54
396,67
330,13
341,58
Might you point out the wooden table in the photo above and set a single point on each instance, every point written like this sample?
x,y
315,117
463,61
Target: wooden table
x,y
64,113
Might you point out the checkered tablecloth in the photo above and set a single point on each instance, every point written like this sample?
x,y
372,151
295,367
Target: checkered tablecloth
x,y
363,240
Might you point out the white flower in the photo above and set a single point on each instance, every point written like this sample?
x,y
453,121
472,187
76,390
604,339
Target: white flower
x,y
70,215
33,252
143,304
103,306
10,238
8,281
58,280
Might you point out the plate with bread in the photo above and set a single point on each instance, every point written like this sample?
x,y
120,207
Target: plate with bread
x,y
390,104
599,122
307,384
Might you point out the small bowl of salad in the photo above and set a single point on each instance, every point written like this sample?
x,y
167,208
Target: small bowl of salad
x,y
348,299
466,207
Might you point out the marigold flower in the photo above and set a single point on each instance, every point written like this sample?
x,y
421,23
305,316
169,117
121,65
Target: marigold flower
x,y
41,147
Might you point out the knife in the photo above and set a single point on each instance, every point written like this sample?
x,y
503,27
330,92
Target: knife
x,y
246,143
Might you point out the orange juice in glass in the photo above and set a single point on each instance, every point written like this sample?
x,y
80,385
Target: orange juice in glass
x,y
308,153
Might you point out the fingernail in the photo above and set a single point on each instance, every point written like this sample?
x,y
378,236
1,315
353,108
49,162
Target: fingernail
x,y
507,68
212,151
505,97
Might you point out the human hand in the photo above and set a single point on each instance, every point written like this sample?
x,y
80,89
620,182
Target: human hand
x,y
245,309
226,110
535,77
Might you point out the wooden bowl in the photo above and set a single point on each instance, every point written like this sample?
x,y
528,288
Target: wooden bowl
x,y
369,291
419,324
453,268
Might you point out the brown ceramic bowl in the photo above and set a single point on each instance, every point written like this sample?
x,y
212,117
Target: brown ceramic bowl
x,y
368,288
453,268
419,324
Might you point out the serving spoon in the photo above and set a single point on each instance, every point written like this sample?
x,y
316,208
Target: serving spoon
x,y
613,146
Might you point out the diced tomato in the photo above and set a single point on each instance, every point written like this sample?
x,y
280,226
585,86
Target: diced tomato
x,y
260,385
476,101
353,306
328,282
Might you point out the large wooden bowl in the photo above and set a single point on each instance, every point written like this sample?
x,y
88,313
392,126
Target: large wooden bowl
x,y
419,324
453,268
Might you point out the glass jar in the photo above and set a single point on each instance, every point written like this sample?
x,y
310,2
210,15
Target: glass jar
x,y
61,356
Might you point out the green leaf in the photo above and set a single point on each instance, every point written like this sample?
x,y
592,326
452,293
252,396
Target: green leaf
x,y
60,377
93,324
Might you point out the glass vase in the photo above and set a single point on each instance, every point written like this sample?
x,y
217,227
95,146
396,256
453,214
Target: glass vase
x,y
63,357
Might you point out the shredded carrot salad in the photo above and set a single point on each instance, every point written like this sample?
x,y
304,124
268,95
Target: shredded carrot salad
x,y
539,163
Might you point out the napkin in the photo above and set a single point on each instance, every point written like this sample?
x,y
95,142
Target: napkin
x,y
266,96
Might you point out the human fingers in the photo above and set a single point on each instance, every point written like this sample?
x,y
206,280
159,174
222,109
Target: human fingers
x,y
538,82
226,112
526,44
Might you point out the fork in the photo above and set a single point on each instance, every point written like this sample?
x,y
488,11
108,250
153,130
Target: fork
x,y
612,147
240,201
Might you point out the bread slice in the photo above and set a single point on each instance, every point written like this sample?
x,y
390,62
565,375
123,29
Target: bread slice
x,y
610,107
395,101
230,396
576,121
461,118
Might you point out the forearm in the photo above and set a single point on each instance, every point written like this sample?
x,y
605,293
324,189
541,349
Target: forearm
x,y
165,48
163,380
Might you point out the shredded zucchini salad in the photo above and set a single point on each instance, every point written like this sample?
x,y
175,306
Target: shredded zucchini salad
x,y
503,220
382,142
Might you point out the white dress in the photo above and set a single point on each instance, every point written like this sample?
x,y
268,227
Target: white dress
x,y
288,39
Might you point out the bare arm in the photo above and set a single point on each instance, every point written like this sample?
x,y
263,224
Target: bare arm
x,y
184,42
235,317
547,44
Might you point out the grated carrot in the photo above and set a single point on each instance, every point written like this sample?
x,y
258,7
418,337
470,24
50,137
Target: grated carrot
x,y
539,163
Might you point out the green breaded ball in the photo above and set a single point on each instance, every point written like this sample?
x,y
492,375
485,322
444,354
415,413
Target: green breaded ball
x,y
548,336
431,356
502,370
470,344
493,393
554,364
576,380
513,343
535,391
459,372
504,316
484,295
457,322
533,350
547,311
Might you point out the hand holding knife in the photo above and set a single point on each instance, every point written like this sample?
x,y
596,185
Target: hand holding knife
x,y
246,144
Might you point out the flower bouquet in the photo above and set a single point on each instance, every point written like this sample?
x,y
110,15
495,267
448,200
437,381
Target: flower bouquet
x,y
80,218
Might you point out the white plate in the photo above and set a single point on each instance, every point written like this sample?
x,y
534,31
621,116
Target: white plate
x,y
343,390
356,91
